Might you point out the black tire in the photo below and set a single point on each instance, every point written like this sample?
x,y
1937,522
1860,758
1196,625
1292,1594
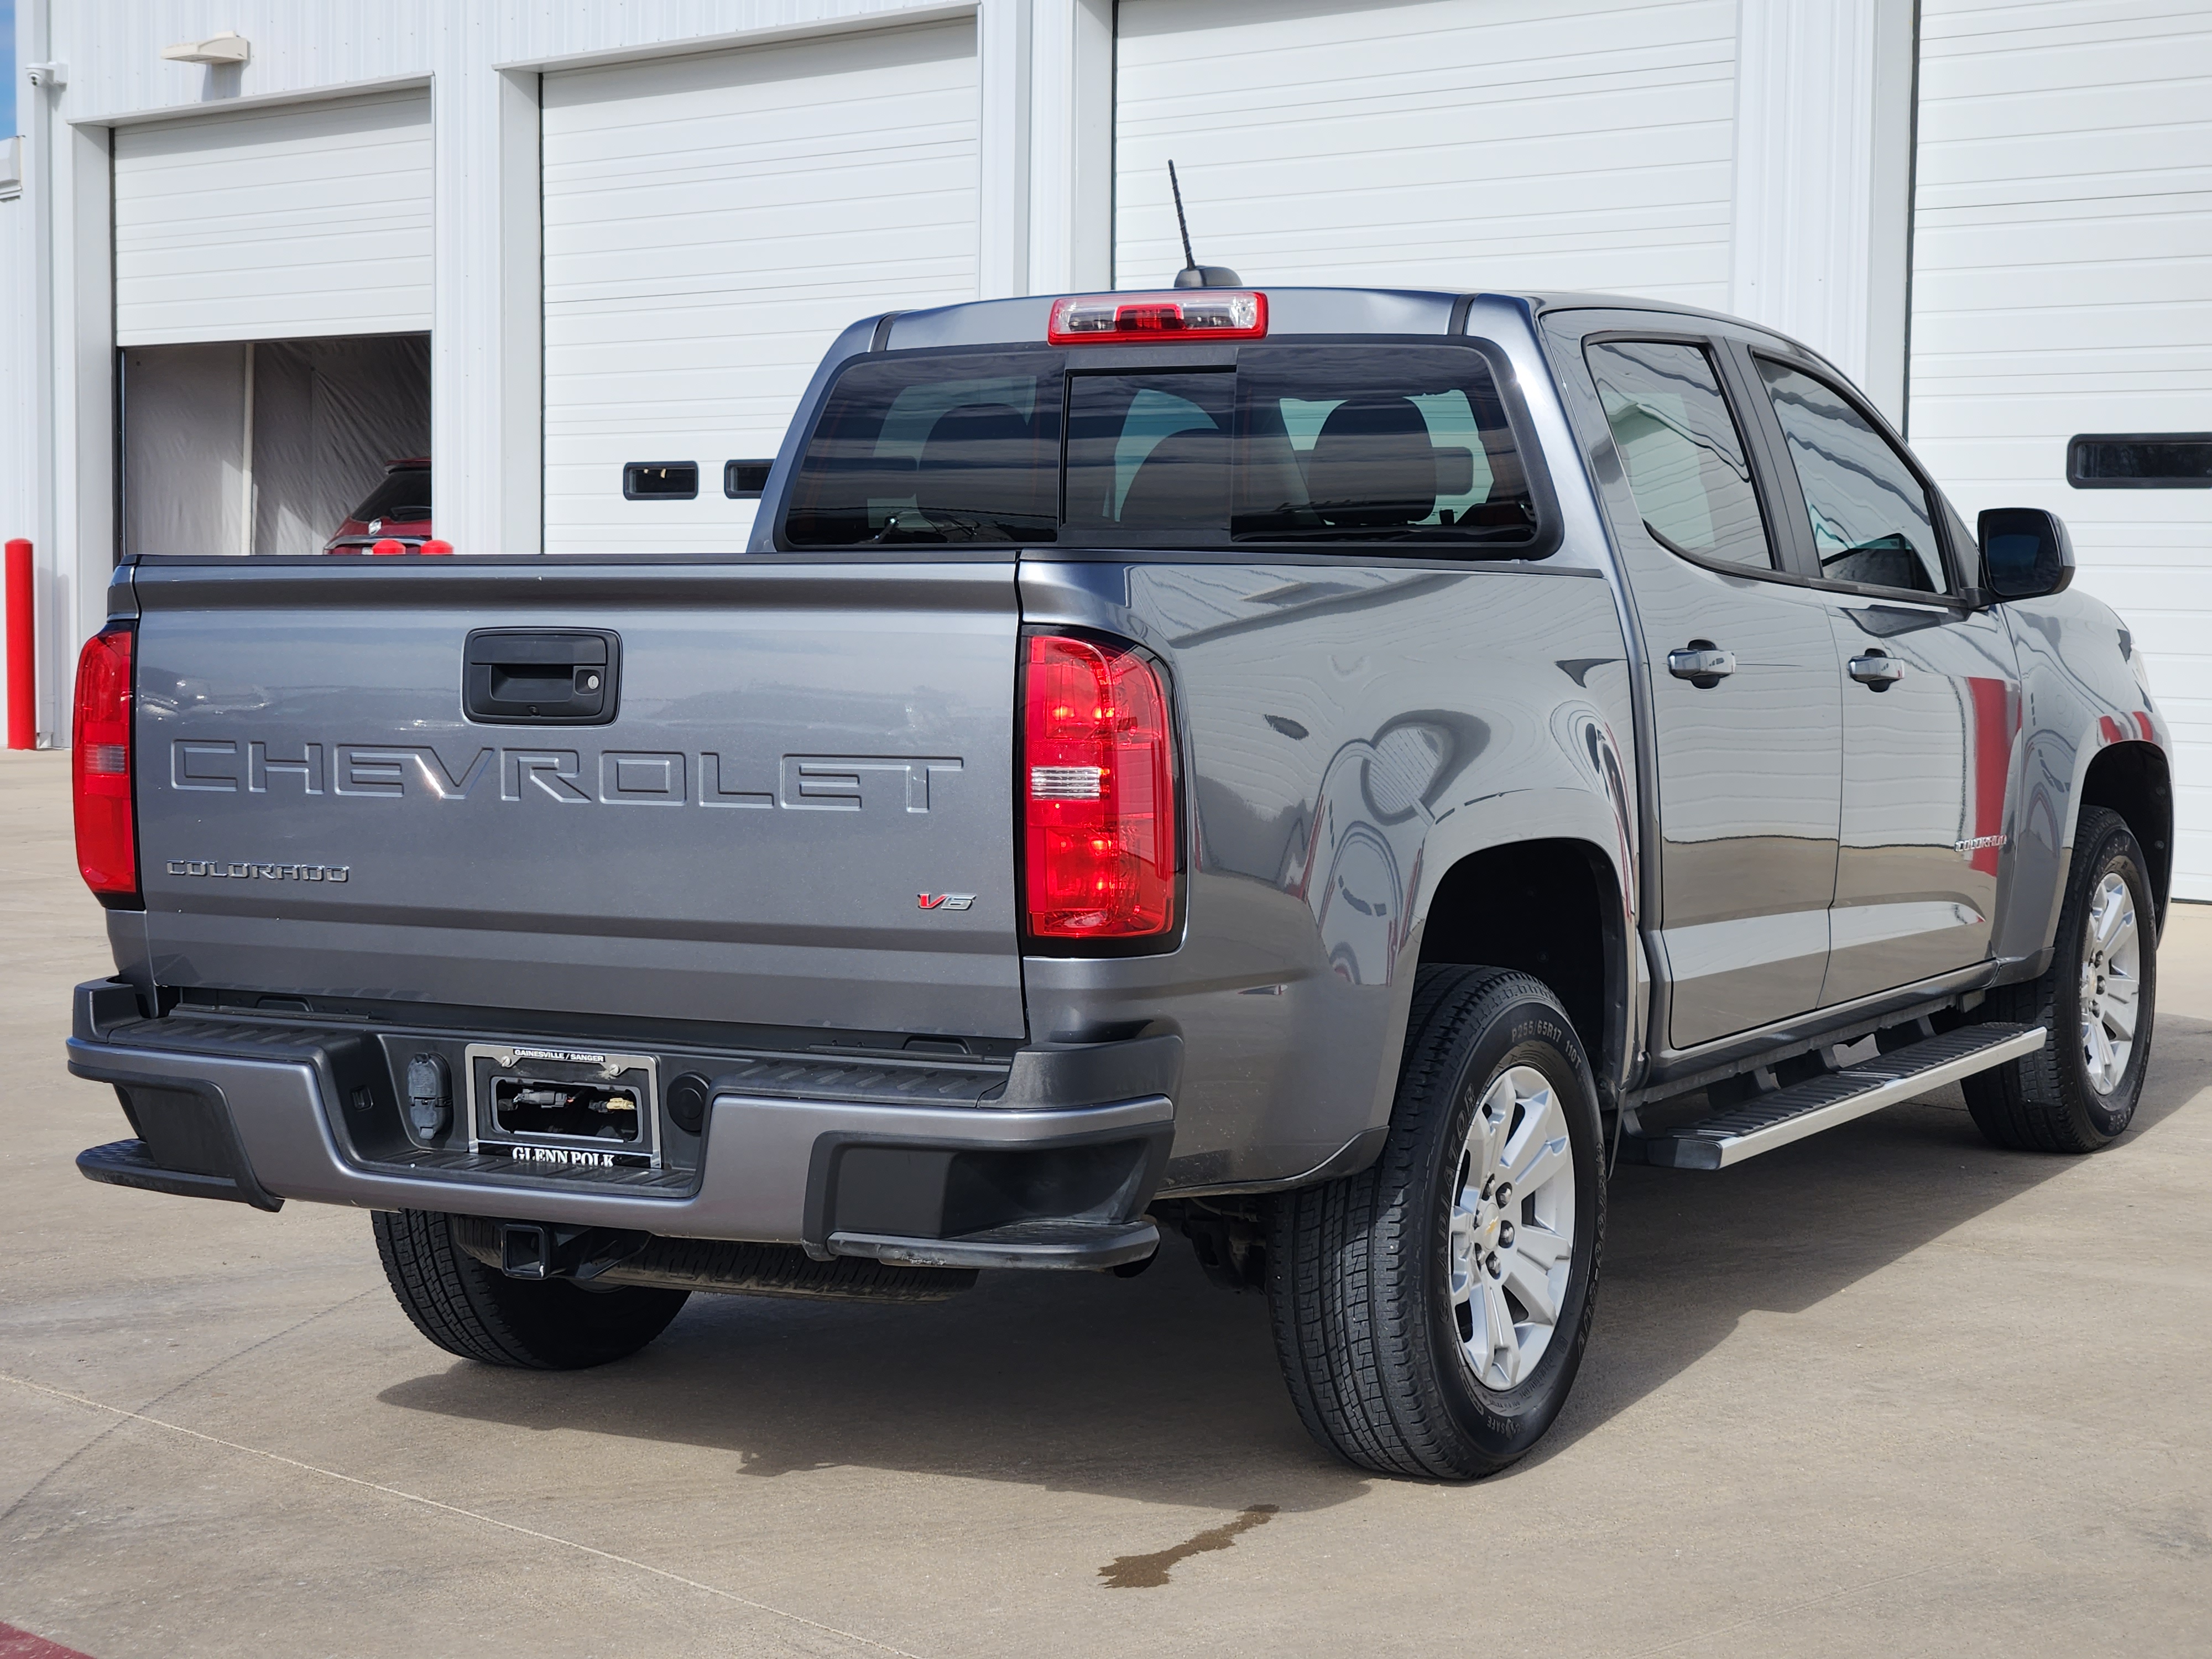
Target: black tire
x,y
1359,1269
2048,1101
480,1314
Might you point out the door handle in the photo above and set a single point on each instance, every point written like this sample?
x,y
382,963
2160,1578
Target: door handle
x,y
519,677
1877,670
1702,662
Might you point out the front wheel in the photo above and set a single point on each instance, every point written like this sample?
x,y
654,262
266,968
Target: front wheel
x,y
1431,1312
2078,1093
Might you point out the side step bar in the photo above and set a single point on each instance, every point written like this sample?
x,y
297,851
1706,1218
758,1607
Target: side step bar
x,y
1082,1245
1822,1102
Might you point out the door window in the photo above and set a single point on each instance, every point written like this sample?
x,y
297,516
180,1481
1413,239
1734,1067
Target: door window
x,y
1870,515
1684,455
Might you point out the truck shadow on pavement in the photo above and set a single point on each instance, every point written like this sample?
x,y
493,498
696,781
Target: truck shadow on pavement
x,y
1164,1388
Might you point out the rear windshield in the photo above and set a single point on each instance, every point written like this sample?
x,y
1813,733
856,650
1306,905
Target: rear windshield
x,y
402,497
1295,444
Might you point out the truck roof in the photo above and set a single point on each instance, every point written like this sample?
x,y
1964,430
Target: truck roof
x,y
1293,310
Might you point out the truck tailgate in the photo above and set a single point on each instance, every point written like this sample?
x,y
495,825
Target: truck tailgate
x,y
799,813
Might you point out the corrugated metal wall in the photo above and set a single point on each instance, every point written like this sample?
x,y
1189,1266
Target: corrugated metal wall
x,y
113,48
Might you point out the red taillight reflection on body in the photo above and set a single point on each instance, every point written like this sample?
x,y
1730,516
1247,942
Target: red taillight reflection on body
x,y
1098,793
1188,313
106,839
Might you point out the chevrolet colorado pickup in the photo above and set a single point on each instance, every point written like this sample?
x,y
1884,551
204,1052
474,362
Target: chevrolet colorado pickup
x,y
1324,772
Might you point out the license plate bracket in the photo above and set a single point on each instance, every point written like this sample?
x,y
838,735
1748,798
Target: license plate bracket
x,y
558,1106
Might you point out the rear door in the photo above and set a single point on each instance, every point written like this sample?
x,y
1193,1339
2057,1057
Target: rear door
x,y
1745,689
785,760
1930,689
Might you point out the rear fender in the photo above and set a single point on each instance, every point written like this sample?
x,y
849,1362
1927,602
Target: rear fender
x,y
1351,729
1609,1015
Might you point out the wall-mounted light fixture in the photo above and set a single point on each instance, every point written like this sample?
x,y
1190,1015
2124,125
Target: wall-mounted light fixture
x,y
228,47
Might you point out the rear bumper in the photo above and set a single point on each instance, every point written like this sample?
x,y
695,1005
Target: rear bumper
x,y
833,1176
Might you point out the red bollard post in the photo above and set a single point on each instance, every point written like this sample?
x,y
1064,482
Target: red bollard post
x,y
22,651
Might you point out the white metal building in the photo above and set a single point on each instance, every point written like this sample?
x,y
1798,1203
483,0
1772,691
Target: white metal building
x,y
539,243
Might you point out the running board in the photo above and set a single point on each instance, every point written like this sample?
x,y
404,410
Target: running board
x,y
1821,1103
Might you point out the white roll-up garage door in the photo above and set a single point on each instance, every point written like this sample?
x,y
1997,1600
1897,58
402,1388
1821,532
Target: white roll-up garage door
x,y
1453,143
711,223
301,221
2063,285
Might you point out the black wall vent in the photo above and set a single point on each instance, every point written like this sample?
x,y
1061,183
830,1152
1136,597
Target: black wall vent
x,y
661,481
743,481
2140,460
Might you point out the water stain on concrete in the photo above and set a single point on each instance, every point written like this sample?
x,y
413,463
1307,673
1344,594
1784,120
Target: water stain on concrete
x,y
1151,1571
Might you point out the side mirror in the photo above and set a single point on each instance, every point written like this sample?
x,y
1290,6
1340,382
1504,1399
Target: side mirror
x,y
2026,552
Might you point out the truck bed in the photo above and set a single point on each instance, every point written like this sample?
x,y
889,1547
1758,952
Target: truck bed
x,y
787,757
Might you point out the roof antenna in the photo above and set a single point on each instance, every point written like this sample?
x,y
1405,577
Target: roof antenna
x,y
1193,274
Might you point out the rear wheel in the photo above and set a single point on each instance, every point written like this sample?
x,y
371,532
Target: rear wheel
x,y
1431,1312
2078,1093
480,1314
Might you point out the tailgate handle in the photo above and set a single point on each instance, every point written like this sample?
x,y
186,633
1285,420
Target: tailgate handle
x,y
521,676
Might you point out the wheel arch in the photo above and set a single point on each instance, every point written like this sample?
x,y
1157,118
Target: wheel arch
x,y
1553,908
2135,781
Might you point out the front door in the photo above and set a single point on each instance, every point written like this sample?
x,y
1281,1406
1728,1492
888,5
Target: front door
x,y
1930,697
1745,692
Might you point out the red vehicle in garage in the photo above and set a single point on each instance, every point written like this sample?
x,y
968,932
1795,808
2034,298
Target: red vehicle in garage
x,y
395,517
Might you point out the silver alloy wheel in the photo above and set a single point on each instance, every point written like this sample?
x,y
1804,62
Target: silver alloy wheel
x,y
1512,1236
2111,983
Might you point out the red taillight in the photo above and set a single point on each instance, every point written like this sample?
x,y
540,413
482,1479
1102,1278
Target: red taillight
x,y
1187,313
107,838
1098,793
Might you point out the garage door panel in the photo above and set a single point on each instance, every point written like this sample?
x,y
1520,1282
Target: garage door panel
x,y
2179,282
2006,429
711,224
2071,115
2176,199
2052,400
1419,143
1612,105
2063,283
1515,43
2073,153
2124,242
781,244
787,168
309,220
2090,326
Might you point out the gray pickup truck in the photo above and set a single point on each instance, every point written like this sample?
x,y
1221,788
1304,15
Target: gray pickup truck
x,y
1324,772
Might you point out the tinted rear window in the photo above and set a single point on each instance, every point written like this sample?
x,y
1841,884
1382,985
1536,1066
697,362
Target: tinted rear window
x,y
932,451
402,497
1296,444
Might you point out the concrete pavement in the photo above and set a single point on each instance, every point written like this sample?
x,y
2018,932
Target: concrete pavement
x,y
1886,1392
